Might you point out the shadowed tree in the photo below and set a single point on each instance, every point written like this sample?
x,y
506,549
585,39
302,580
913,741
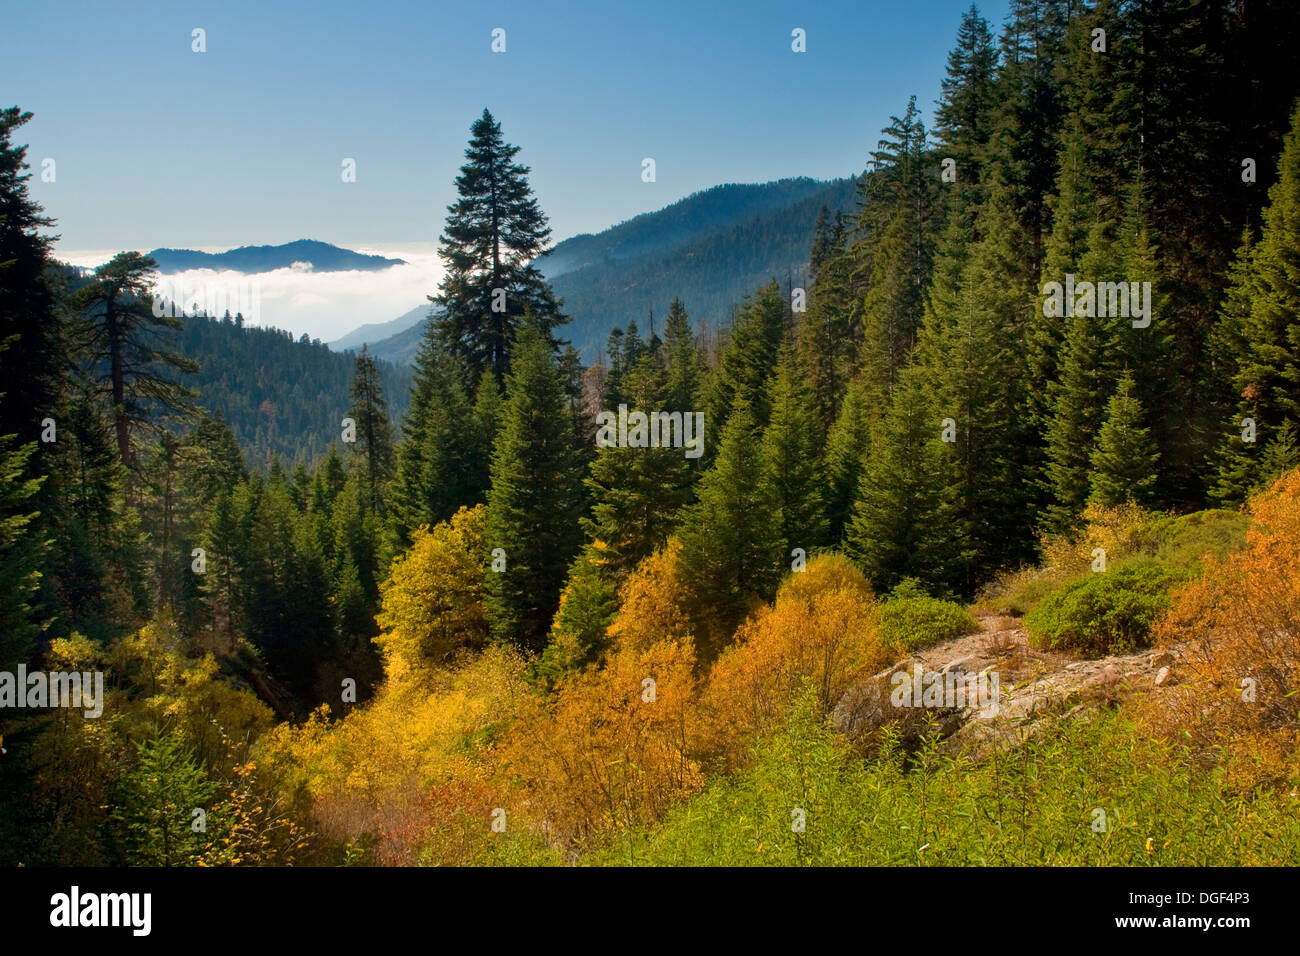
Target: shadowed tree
x,y
116,334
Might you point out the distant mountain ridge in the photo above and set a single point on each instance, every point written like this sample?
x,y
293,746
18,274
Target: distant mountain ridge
x,y
251,259
373,333
711,249
708,210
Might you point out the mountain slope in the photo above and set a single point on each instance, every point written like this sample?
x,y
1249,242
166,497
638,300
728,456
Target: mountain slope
x,y
375,332
712,272
711,249
280,396
698,214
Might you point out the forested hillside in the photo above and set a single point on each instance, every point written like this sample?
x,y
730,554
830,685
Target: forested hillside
x,y
280,396
1042,382
626,277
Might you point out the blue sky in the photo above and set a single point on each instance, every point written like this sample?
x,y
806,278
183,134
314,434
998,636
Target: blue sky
x,y
157,145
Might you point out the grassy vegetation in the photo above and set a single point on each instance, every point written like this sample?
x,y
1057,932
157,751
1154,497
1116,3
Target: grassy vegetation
x,y
1030,806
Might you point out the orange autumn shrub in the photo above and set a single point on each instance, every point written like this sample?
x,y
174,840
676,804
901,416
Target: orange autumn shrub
x,y
610,749
1239,630
652,602
823,630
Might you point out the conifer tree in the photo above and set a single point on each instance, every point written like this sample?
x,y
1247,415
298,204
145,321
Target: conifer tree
x,y
579,633
221,543
683,366
211,459
494,232
791,461
1124,457
847,449
748,361
374,432
536,496
32,367
901,251
1077,399
21,554
1024,143
731,547
436,467
964,115
116,336
1265,326
970,361
155,798
903,518
830,333
635,493
828,239
484,420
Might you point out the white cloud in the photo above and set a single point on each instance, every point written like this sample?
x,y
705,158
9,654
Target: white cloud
x,y
325,305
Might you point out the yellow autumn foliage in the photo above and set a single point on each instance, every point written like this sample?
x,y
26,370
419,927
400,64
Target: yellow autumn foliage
x,y
366,777
652,602
611,749
432,603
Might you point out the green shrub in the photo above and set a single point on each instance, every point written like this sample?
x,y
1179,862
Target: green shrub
x,y
1128,535
1110,612
910,618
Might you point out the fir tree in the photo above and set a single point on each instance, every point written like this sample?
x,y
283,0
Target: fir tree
x,y
536,496
903,518
32,367
579,633
748,361
900,252
635,495
21,553
847,448
964,115
791,461
971,364
494,232
1266,295
731,546
155,801
683,365
374,432
436,468
1124,458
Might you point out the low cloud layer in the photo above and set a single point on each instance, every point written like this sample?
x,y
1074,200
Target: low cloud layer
x,y
325,305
